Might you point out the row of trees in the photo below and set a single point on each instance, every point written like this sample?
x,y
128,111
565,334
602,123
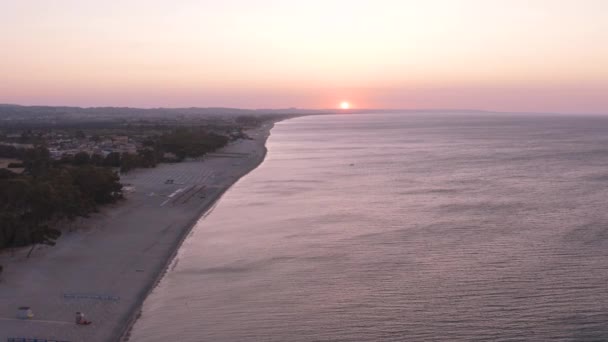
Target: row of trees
x,y
125,161
10,151
50,191
33,202
184,142
181,143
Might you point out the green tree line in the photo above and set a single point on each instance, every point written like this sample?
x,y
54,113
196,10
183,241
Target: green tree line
x,y
182,143
47,192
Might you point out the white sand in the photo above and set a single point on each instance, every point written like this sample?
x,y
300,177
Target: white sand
x,y
120,252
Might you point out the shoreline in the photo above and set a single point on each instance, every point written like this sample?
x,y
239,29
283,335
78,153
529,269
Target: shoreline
x,y
131,245
124,334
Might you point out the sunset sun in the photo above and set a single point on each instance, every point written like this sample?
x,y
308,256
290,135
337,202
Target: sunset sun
x,y
345,105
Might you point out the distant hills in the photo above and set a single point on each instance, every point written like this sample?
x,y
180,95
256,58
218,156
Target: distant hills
x,y
14,108
13,112
21,112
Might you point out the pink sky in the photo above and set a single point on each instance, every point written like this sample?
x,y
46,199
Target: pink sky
x,y
533,55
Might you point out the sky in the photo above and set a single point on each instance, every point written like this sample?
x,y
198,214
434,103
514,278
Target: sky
x,y
504,55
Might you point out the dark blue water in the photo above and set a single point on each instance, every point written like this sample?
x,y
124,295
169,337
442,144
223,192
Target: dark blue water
x,y
402,228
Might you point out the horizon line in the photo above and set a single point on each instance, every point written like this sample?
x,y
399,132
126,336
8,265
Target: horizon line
x,y
320,110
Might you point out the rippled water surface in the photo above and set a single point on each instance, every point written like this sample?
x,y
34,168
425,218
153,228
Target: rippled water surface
x,y
402,228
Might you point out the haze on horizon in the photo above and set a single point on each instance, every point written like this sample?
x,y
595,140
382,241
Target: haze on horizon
x,y
517,55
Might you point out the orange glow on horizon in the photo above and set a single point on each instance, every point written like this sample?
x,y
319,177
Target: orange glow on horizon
x,y
339,54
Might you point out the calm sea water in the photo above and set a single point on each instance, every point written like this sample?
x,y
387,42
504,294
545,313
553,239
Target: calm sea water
x,y
402,228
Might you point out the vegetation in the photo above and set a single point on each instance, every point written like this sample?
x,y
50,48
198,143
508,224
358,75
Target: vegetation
x,y
50,191
9,151
47,192
193,143
181,142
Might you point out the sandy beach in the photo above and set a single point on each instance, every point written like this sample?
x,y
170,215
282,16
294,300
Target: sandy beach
x,y
107,265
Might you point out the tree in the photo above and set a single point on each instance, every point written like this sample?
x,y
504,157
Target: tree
x,y
44,236
73,202
112,160
7,174
81,158
9,151
66,159
101,185
194,142
36,161
31,205
14,197
128,162
96,159
147,157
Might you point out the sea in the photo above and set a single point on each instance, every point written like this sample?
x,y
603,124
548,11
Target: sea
x,y
402,227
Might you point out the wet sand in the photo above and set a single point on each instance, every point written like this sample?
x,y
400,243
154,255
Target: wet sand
x,y
111,261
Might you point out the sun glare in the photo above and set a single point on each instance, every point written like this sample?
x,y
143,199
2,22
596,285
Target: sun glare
x,y
344,105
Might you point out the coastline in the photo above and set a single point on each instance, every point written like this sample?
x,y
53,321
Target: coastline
x,y
124,334
122,252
